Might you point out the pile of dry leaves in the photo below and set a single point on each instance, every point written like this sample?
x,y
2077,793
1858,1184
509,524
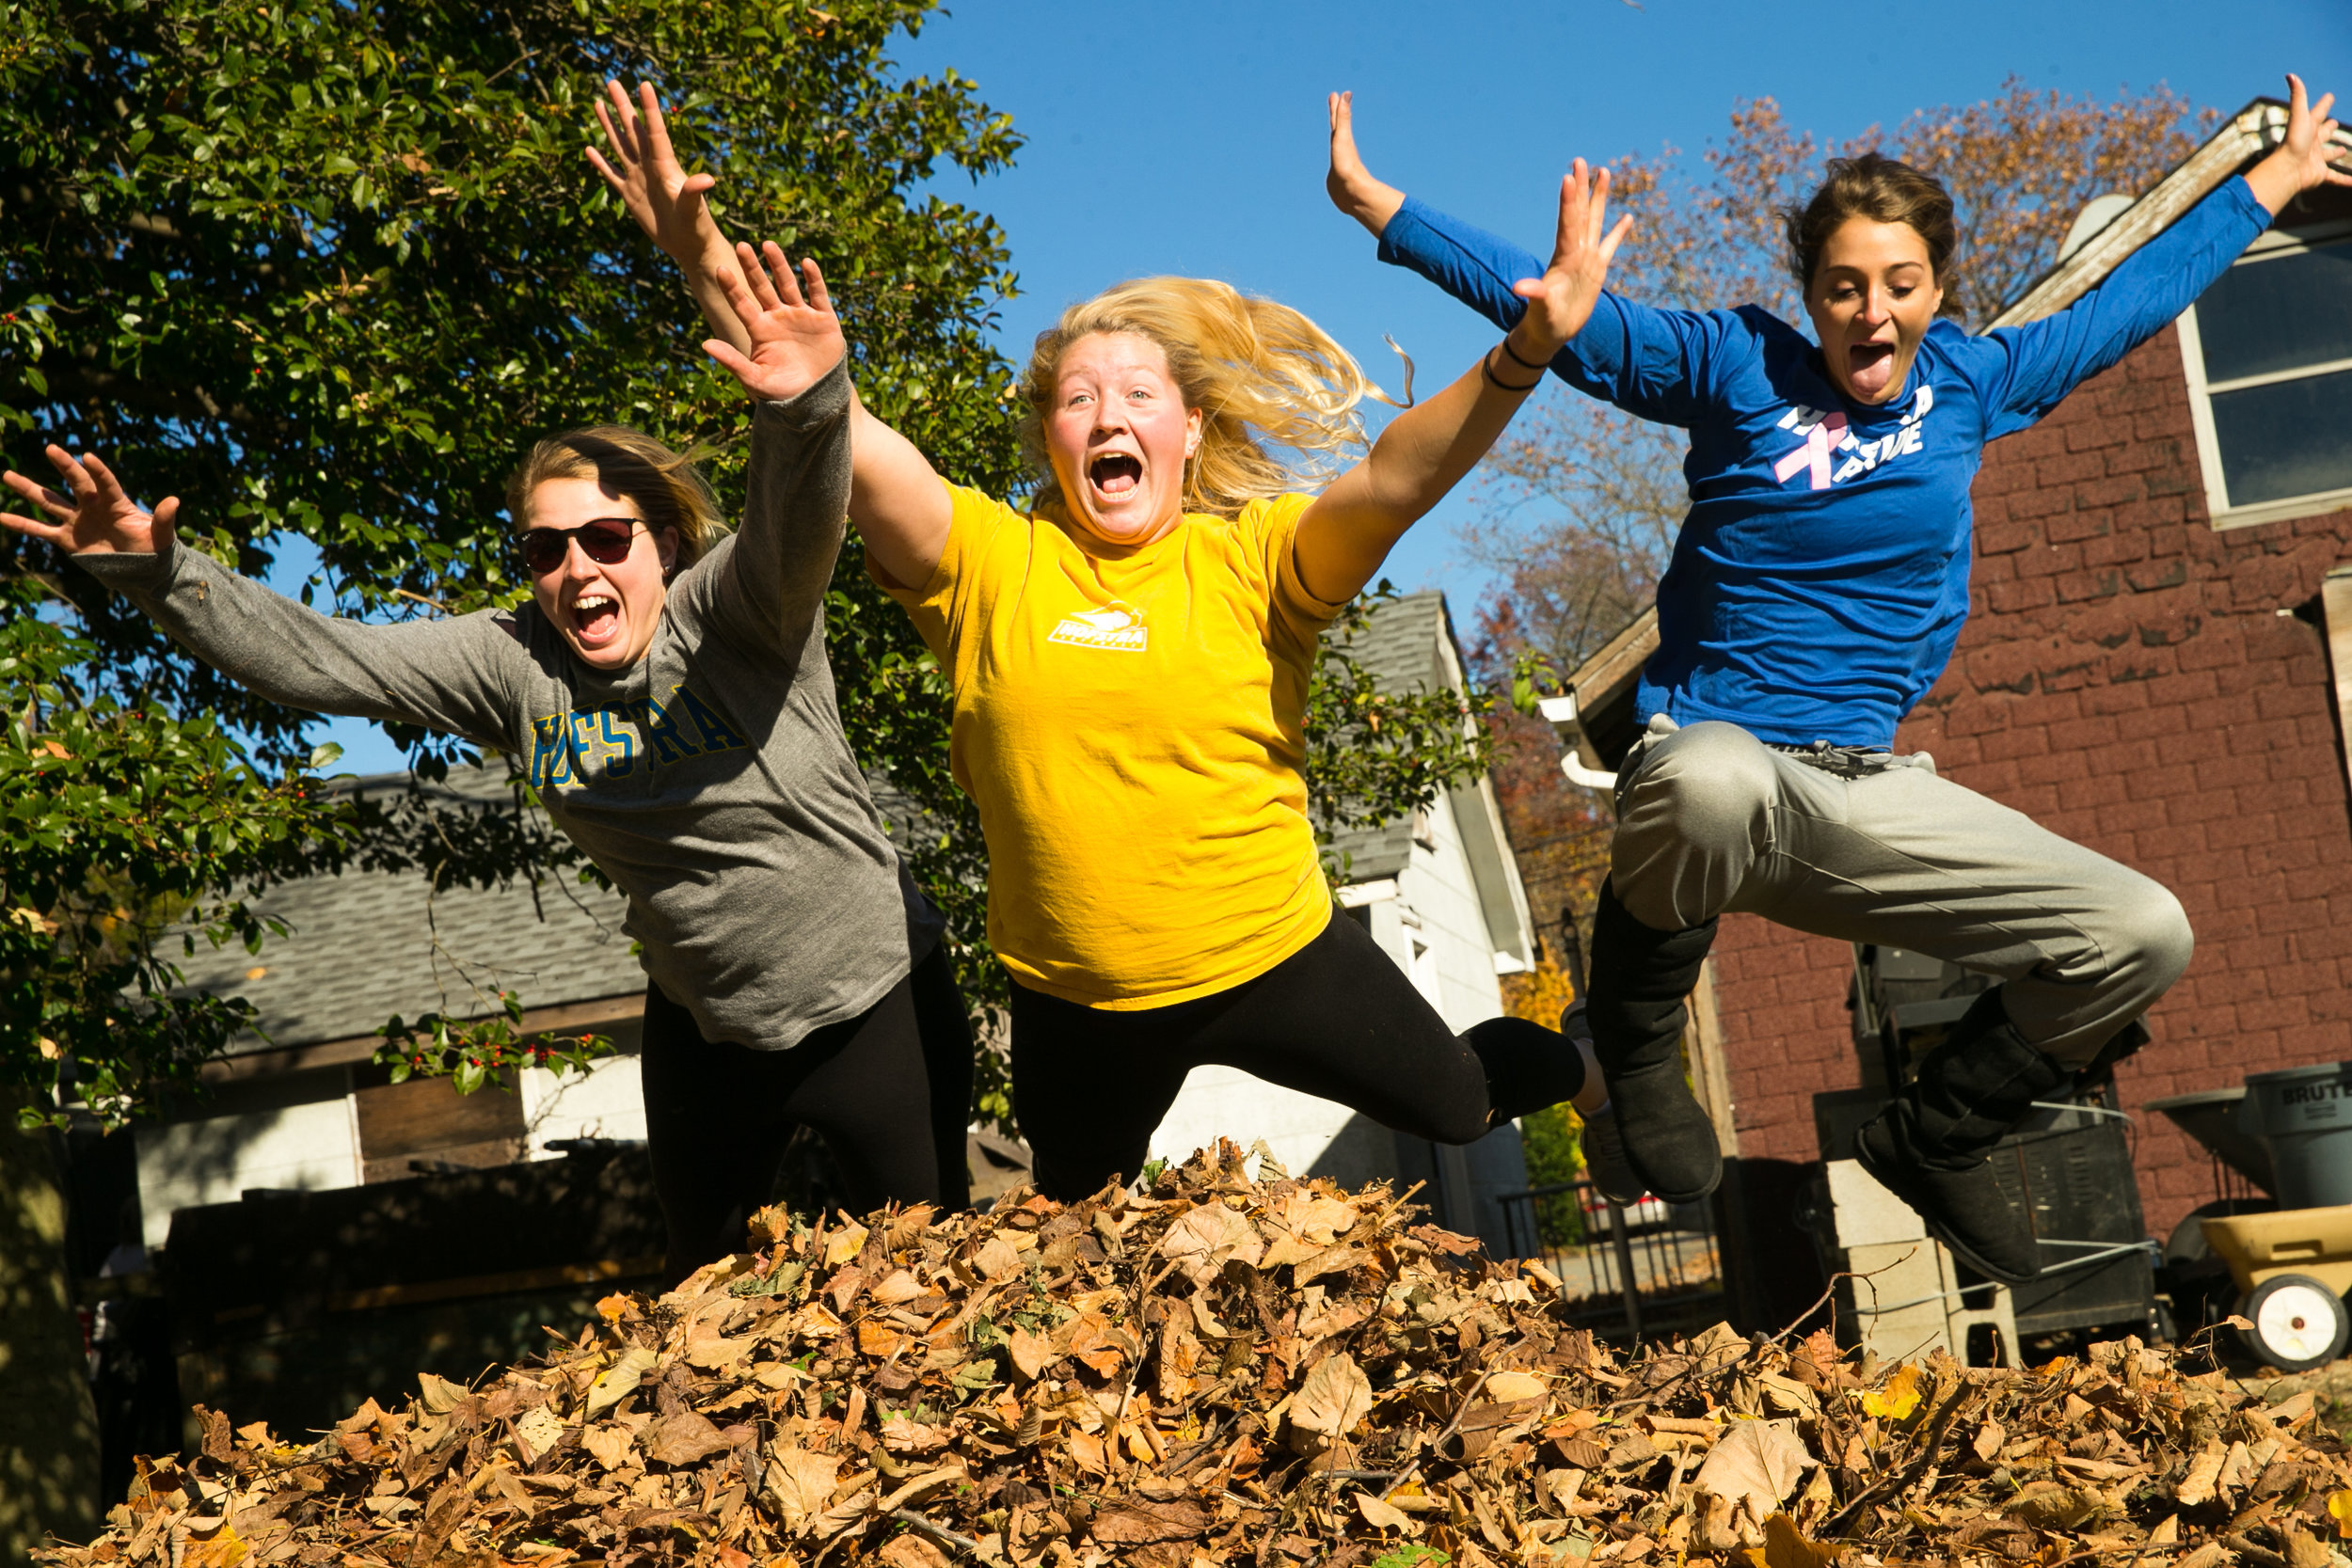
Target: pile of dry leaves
x,y
1229,1370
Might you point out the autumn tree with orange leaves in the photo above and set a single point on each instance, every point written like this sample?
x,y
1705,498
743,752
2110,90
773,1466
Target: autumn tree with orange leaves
x,y
1581,502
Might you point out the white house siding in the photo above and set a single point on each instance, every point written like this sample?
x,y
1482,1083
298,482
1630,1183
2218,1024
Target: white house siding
x,y
607,1101
1306,1134
1435,890
305,1145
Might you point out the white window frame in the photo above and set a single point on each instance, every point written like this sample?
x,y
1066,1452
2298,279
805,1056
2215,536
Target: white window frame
x,y
2267,247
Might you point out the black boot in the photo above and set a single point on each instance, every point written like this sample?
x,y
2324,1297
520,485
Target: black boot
x,y
1932,1145
1641,979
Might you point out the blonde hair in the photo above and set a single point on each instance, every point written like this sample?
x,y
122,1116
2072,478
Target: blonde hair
x,y
1256,371
666,486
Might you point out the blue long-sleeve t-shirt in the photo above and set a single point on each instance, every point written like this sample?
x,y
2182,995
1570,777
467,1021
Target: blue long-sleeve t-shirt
x,y
1820,579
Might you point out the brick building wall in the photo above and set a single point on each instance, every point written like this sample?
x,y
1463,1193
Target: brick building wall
x,y
2128,679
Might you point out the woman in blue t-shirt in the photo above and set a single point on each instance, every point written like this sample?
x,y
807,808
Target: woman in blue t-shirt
x,y
1814,592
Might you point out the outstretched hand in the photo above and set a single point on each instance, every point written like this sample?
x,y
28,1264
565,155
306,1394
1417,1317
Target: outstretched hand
x,y
97,517
794,339
666,201
1560,301
2303,161
1353,190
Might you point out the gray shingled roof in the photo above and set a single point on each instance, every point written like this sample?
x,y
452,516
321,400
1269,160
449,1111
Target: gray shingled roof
x,y
366,945
1399,644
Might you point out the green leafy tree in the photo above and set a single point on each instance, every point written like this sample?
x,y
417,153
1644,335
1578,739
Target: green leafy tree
x,y
118,824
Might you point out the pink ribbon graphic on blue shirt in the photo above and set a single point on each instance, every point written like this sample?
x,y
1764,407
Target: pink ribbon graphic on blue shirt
x,y
1815,452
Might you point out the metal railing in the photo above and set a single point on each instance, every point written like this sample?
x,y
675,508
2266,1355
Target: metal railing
x,y
1642,1265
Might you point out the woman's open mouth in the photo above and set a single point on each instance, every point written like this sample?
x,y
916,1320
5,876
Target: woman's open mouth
x,y
597,619
1869,368
1116,477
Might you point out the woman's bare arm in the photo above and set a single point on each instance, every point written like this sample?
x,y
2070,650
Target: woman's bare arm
x,y
1350,529
894,497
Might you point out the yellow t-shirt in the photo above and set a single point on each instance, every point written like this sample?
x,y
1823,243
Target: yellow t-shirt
x,y
1130,724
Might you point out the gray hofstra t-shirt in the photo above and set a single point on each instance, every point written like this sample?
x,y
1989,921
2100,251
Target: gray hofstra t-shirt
x,y
711,781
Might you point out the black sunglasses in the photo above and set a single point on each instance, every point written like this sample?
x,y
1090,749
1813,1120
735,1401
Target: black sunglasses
x,y
604,540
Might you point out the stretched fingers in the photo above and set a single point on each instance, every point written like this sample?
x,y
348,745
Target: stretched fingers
x,y
731,359
107,490
63,510
740,299
656,132
818,296
1344,153
780,268
1574,231
69,468
40,494
48,533
1617,237
755,272
1596,209
619,118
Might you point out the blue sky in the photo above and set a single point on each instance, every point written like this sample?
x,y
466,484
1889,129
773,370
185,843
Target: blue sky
x,y
1189,138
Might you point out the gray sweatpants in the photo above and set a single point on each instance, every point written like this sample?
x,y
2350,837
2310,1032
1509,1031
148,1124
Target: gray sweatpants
x,y
1870,847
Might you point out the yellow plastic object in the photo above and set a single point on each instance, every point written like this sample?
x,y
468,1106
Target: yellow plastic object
x,y
2314,1242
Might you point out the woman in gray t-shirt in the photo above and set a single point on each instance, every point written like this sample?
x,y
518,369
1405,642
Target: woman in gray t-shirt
x,y
668,692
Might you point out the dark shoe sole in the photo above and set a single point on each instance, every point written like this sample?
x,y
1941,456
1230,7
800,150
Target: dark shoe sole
x,y
1892,1180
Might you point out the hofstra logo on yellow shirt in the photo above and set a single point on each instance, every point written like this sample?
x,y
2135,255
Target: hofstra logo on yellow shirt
x,y
1115,626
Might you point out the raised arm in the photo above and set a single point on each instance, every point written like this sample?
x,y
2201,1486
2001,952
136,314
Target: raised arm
x,y
1348,530
2027,369
765,589
2305,160
450,675
1652,363
667,202
895,498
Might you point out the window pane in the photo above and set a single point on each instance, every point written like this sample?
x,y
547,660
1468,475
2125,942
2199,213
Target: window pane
x,y
2286,438
2265,316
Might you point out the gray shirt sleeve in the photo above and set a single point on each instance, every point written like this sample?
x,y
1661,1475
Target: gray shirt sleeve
x,y
763,589
458,675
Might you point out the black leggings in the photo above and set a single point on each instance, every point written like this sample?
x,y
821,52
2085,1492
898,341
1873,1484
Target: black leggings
x,y
1337,1018
889,1091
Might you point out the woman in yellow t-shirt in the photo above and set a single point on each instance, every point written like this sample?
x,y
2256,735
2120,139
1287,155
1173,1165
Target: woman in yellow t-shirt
x,y
1130,660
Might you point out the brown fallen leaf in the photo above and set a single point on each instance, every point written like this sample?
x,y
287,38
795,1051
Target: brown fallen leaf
x,y
1140,1521
1756,1463
1787,1546
1208,1237
2196,1487
802,1484
1334,1398
682,1438
910,1551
